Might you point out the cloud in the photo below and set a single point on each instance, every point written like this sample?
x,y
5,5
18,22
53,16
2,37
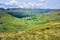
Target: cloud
x,y
41,4
21,6
26,5
16,3
13,1
42,0
30,5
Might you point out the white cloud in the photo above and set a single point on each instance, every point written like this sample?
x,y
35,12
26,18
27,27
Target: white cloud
x,y
26,5
7,3
41,4
1,2
38,4
42,0
0,6
13,2
30,3
33,4
21,6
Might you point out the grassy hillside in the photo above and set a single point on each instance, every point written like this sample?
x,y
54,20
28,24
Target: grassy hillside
x,y
48,31
11,23
39,27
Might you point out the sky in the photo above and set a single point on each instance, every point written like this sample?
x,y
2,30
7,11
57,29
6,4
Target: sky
x,y
43,4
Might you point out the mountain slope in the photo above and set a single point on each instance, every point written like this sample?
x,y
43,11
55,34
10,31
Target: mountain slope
x,y
10,23
41,27
49,31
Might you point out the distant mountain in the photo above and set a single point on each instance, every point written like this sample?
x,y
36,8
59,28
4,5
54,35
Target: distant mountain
x,y
2,9
20,12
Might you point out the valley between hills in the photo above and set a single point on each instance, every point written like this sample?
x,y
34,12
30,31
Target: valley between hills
x,y
44,26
